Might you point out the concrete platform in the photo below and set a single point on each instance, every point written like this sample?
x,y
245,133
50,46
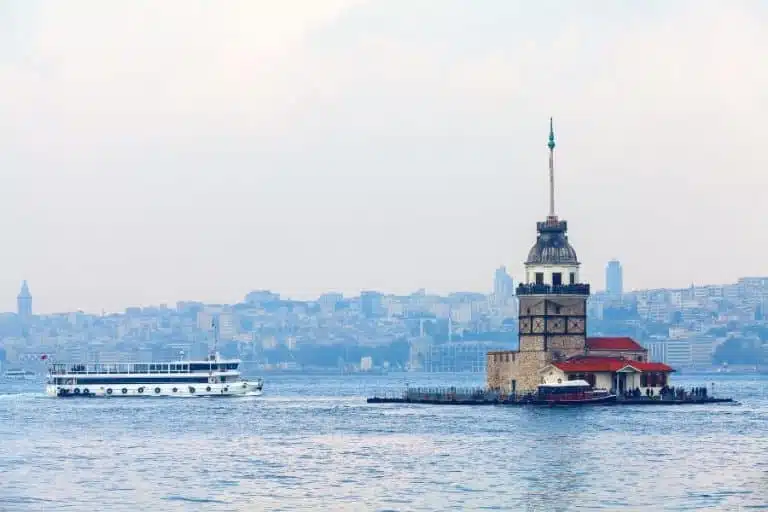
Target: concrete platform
x,y
519,403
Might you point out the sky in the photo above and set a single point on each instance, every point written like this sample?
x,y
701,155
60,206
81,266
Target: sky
x,y
196,150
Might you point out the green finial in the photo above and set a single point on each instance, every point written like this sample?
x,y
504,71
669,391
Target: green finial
x,y
551,143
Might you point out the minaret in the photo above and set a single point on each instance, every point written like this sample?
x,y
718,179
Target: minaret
x,y
24,307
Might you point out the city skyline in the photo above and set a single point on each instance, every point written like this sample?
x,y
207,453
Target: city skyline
x,y
355,145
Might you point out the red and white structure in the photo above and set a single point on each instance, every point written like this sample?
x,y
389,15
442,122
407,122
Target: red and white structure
x,y
619,364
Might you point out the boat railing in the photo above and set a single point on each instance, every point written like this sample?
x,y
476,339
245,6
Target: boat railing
x,y
140,368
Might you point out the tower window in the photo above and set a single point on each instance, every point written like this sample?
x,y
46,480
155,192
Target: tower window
x,y
539,277
573,277
557,279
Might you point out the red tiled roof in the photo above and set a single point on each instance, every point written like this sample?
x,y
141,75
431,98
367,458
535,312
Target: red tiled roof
x,y
608,364
622,344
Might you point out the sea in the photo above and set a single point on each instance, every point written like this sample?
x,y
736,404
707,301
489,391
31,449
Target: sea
x,y
311,442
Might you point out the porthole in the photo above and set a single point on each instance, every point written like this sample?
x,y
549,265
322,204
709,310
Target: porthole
x,y
86,391
208,388
77,391
157,390
109,391
175,389
140,390
125,391
191,389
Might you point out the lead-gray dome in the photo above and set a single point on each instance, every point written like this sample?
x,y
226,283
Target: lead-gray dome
x,y
552,246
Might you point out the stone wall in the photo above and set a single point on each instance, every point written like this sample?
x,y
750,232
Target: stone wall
x,y
565,346
503,367
531,343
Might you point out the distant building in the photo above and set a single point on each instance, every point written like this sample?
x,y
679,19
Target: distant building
x,y
24,307
371,304
459,357
226,326
503,286
259,297
614,278
328,301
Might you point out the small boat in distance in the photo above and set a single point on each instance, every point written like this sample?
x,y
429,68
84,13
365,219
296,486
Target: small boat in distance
x,y
214,377
572,392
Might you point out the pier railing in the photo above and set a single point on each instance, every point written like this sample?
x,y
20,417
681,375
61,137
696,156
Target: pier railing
x,y
456,394
480,395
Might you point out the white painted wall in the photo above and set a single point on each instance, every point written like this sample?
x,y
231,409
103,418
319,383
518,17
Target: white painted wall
x,y
548,270
603,380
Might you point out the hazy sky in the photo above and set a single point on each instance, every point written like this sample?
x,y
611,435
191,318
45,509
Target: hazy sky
x,y
156,151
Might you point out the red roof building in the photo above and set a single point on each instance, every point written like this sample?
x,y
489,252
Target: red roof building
x,y
594,364
620,374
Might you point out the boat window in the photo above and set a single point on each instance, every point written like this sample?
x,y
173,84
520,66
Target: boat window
x,y
539,277
573,277
557,279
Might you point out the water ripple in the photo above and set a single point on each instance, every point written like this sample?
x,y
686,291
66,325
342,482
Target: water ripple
x,y
332,451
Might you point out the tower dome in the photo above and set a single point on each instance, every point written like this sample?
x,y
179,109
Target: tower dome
x,y
552,246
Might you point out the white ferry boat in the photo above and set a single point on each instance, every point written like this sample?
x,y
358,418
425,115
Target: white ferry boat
x,y
212,377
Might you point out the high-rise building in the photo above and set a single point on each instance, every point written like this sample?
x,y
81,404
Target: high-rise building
x,y
503,286
371,304
24,306
614,278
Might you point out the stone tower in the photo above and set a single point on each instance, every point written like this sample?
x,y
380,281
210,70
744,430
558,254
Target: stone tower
x,y
552,315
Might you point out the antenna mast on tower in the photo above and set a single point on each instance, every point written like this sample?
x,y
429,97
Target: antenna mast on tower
x,y
551,145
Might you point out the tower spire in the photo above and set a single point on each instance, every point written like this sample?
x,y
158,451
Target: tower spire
x,y
551,145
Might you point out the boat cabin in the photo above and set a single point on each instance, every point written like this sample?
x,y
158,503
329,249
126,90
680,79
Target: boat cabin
x,y
569,387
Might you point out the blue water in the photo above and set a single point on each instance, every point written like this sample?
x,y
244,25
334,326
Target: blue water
x,y
312,443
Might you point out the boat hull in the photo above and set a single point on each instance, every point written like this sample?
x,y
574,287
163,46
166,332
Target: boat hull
x,y
149,390
576,402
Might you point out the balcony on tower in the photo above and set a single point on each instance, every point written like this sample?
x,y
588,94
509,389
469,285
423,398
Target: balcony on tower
x,y
548,289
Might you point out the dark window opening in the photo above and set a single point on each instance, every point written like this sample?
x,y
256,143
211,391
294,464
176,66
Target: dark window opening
x,y
539,277
557,279
573,277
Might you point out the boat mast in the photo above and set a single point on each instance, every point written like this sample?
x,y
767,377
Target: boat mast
x,y
215,337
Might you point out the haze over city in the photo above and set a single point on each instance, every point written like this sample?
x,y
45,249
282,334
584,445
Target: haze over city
x,y
154,152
